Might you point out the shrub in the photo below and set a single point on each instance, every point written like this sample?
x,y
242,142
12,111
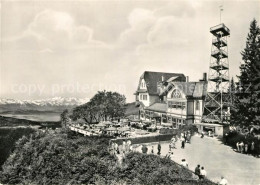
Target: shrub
x,y
8,137
234,137
66,158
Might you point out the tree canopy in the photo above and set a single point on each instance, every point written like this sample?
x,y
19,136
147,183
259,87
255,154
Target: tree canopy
x,y
247,101
104,105
58,157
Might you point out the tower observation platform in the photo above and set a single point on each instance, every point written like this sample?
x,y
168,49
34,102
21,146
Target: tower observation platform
x,y
218,98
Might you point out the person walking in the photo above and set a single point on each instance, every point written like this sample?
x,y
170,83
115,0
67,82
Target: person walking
x,y
182,143
226,138
169,155
223,181
116,148
152,151
184,163
128,144
159,148
189,137
203,173
246,148
144,149
124,146
252,148
238,147
197,171
202,135
241,145
112,148
185,136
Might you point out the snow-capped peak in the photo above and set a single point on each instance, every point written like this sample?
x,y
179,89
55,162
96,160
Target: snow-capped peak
x,y
56,101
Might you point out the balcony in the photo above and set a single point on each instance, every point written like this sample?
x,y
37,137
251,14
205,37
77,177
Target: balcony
x,y
218,67
221,78
219,53
219,42
220,30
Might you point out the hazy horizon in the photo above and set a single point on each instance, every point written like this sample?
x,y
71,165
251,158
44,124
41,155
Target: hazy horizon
x,y
76,48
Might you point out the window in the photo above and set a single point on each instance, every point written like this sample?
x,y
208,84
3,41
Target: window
x,y
176,94
144,97
197,107
141,96
183,105
176,105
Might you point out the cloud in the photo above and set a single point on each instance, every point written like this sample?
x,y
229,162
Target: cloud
x,y
56,31
161,27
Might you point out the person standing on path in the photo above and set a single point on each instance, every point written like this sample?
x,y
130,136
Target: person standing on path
x,y
223,181
116,148
203,172
246,148
252,148
128,144
241,145
197,171
152,151
159,148
182,143
184,163
238,148
144,149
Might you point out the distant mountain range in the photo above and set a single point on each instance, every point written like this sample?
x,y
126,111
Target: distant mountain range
x,y
56,104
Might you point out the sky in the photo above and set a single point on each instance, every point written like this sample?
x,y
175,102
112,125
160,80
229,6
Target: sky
x,y
76,48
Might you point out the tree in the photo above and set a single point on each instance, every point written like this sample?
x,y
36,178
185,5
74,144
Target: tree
x,y
248,104
64,118
102,106
232,90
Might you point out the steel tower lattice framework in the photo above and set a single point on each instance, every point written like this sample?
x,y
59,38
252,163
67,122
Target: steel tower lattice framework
x,y
218,98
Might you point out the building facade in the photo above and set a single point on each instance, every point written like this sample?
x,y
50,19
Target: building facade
x,y
169,99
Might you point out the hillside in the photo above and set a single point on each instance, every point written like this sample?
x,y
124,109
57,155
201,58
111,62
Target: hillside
x,y
14,122
66,158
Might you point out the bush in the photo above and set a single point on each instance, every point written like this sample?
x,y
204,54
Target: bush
x,y
234,137
8,137
54,158
140,168
67,158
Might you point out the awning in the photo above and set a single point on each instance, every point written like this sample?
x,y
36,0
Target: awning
x,y
100,125
156,115
123,129
111,129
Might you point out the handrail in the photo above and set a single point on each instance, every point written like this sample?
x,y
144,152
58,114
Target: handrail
x,y
220,51
221,40
222,25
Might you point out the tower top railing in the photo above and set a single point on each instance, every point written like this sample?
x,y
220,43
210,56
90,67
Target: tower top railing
x,y
220,28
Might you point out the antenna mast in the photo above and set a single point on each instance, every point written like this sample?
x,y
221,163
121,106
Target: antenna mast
x,y
220,10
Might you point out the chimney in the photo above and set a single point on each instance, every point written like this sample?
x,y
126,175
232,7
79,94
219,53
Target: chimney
x,y
187,78
162,78
204,76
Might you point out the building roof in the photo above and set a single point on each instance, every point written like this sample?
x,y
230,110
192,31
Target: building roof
x,y
132,108
192,89
152,79
158,107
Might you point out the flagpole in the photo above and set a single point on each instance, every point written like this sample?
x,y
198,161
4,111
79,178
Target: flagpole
x,y
220,10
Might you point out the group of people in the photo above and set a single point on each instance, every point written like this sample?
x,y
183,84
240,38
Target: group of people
x,y
200,172
145,149
245,147
185,138
125,148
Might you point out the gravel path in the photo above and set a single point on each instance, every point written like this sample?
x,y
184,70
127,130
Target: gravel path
x,y
217,159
